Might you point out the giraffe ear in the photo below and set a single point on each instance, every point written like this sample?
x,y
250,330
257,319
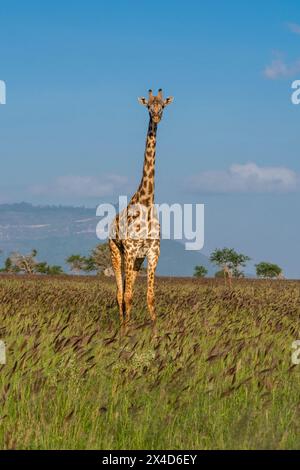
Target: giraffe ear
x,y
143,101
168,100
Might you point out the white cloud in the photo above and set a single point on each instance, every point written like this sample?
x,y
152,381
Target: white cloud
x,y
246,178
278,68
294,28
81,186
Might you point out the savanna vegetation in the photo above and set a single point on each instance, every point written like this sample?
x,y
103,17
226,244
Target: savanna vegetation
x,y
216,374
227,260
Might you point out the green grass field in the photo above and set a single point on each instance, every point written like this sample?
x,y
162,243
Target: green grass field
x,y
218,374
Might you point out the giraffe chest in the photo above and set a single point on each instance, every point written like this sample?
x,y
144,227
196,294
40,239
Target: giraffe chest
x,y
137,223
141,248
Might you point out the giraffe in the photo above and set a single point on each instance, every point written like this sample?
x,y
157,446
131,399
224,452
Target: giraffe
x,y
129,248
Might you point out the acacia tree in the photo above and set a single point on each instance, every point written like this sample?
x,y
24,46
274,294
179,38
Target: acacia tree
x,y
54,270
229,261
219,274
24,263
9,267
200,271
27,264
99,260
45,268
267,270
77,263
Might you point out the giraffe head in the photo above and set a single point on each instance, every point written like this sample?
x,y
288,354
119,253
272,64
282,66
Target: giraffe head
x,y
156,105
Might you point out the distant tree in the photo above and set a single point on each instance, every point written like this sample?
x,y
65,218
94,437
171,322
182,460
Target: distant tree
x,y
219,274
237,273
54,270
200,271
230,262
27,264
101,258
24,263
268,270
77,263
41,268
89,264
44,268
9,267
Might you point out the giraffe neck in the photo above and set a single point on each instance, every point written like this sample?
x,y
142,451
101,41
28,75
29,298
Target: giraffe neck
x,y
145,192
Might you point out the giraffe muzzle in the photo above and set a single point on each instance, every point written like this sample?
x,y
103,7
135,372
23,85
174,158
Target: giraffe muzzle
x,y
156,119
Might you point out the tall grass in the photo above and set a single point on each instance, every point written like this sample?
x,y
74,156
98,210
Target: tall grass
x,y
217,375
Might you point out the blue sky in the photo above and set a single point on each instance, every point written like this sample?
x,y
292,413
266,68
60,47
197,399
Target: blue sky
x,y
73,132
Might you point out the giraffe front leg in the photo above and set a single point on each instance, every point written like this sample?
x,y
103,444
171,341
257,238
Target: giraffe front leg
x,y
116,261
152,263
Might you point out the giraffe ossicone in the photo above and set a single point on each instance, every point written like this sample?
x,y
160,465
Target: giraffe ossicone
x,y
135,233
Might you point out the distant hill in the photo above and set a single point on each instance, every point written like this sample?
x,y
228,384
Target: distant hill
x,y
59,231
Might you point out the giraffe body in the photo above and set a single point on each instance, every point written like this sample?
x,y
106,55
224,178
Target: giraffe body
x,y
135,232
